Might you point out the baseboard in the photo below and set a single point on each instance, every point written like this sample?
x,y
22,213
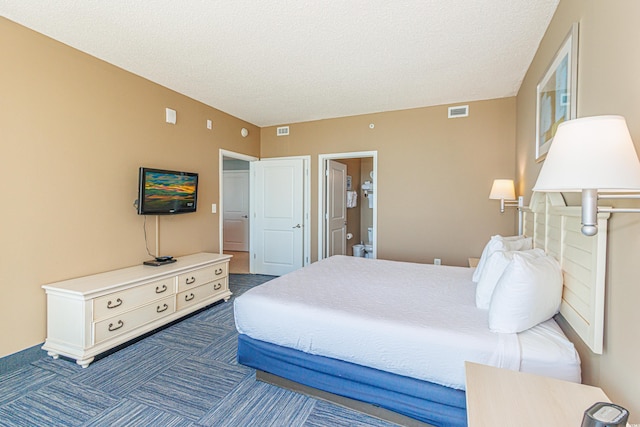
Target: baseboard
x,y
356,405
20,359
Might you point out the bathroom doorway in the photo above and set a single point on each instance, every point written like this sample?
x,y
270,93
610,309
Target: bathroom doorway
x,y
358,195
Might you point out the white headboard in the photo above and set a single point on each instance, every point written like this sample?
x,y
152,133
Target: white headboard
x,y
555,228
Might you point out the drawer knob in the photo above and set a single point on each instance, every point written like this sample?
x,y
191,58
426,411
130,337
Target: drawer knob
x,y
115,328
217,286
164,307
160,290
189,297
190,280
219,271
118,303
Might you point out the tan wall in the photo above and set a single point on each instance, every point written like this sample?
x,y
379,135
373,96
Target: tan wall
x,y
73,132
434,174
608,83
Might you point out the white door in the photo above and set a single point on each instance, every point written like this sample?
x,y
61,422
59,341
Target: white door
x,y
236,210
278,211
336,208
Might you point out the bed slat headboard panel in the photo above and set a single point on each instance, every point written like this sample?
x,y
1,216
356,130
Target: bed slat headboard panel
x,y
555,228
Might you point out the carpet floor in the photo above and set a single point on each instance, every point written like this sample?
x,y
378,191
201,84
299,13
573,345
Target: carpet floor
x,y
184,375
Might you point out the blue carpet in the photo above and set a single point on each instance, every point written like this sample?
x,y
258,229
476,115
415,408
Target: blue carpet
x,y
184,376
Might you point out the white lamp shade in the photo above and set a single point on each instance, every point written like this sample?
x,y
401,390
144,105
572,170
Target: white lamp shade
x,y
503,189
591,153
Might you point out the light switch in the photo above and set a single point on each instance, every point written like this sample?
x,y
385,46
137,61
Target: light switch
x,y
170,116
209,124
214,208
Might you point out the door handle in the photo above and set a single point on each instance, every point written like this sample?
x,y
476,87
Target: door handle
x,y
297,226
245,216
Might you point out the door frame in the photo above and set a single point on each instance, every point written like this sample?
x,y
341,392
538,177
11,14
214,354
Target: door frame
x,y
322,171
232,155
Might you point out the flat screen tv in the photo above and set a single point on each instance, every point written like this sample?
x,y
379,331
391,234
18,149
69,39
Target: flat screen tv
x,y
165,192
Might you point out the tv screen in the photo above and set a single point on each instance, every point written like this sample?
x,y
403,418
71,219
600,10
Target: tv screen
x,y
165,192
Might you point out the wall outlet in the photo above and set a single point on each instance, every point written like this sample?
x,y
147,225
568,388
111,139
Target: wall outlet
x,y
214,208
437,261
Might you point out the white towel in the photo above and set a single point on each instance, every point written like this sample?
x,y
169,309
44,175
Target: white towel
x,y
352,199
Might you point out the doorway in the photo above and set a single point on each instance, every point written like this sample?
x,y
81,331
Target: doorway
x,y
355,191
235,221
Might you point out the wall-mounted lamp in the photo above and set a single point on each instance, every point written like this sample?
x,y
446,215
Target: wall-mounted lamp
x,y
504,190
592,155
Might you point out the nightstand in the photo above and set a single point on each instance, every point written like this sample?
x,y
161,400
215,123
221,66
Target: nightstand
x,y
501,397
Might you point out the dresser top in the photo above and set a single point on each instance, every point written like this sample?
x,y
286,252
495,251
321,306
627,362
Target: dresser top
x,y
97,283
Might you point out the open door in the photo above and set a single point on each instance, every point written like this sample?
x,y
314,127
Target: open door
x,y
336,208
277,206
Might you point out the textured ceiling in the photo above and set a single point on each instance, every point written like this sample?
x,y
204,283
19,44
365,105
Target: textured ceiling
x,y
283,61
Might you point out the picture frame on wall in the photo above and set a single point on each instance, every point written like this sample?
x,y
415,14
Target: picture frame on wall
x,y
556,93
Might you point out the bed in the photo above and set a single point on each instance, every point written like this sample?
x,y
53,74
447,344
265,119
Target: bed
x,y
355,328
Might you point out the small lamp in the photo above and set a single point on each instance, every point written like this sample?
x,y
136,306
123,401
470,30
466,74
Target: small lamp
x,y
503,189
592,155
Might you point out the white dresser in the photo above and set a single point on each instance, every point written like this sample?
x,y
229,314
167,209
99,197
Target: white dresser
x,y
88,315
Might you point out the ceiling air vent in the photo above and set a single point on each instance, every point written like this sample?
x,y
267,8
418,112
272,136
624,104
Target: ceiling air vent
x,y
282,131
458,111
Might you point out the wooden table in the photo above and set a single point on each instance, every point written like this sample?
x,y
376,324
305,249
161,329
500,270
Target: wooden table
x,y
501,397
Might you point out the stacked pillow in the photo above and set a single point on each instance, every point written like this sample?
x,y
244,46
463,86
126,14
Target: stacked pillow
x,y
499,243
520,286
492,272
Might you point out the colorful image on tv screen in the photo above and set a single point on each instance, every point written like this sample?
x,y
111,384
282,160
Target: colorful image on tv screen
x,y
169,191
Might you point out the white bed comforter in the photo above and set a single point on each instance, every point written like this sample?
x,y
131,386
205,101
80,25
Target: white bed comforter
x,y
416,320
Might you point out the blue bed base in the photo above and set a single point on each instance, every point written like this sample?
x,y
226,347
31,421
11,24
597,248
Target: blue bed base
x,y
421,400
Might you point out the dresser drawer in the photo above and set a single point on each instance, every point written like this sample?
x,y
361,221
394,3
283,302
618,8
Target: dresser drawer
x,y
124,322
200,293
119,302
201,276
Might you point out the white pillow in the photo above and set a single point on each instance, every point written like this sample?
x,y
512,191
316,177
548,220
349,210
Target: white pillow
x,y
492,271
529,292
500,243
